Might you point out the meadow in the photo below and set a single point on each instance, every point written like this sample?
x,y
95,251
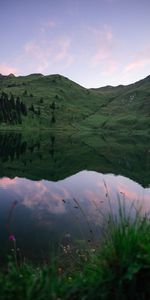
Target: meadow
x,y
54,102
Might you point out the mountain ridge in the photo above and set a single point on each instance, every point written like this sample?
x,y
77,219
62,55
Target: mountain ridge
x,y
93,88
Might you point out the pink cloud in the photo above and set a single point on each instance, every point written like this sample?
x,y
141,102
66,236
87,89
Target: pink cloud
x,y
39,54
110,68
48,25
64,54
139,60
136,64
100,56
108,33
7,69
31,48
102,34
104,55
63,46
46,54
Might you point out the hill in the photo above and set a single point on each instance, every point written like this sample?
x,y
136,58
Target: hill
x,y
54,101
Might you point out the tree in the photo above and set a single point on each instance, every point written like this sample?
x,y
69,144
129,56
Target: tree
x,y
23,108
11,110
12,101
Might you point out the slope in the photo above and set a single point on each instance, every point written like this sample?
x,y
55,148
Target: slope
x,y
54,101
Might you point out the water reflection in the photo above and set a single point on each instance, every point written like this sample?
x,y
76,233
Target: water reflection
x,y
11,146
42,213
55,156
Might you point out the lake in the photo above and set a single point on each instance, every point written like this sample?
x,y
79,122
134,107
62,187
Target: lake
x,y
57,188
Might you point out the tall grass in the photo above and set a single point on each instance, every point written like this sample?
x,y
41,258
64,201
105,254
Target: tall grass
x,y
119,269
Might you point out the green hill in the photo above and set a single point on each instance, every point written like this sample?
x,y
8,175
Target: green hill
x,y
54,101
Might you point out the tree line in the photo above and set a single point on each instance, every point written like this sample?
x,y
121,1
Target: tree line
x,y
11,109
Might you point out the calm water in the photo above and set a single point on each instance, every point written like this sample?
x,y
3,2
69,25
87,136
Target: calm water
x,y
56,189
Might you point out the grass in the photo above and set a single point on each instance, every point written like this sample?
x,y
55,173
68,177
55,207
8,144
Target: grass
x,y
118,269
110,108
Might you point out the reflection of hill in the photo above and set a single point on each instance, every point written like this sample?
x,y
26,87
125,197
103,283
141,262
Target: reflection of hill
x,y
11,146
55,157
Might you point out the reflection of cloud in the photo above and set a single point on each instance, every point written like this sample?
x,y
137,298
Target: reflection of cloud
x,y
6,182
35,194
92,190
96,205
131,190
40,195
79,204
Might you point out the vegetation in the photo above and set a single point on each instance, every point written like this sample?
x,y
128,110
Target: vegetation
x,y
57,102
119,266
55,156
11,110
118,269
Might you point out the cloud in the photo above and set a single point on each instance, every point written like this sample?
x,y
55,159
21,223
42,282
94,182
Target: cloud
x,y
108,34
104,55
136,64
47,26
63,53
45,54
111,67
139,60
108,55
37,55
63,49
7,69
100,56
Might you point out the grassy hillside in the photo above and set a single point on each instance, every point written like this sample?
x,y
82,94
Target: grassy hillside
x,y
55,101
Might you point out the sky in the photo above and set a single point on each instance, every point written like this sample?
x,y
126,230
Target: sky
x,y
92,42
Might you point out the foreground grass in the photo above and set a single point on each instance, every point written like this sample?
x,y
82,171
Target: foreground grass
x,y
119,269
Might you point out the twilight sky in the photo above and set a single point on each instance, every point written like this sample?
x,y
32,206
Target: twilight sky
x,y
93,42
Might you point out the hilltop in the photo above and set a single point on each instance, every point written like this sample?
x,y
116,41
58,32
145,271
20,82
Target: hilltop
x,y
54,101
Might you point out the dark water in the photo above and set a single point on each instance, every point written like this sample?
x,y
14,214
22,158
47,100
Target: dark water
x,y
57,189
